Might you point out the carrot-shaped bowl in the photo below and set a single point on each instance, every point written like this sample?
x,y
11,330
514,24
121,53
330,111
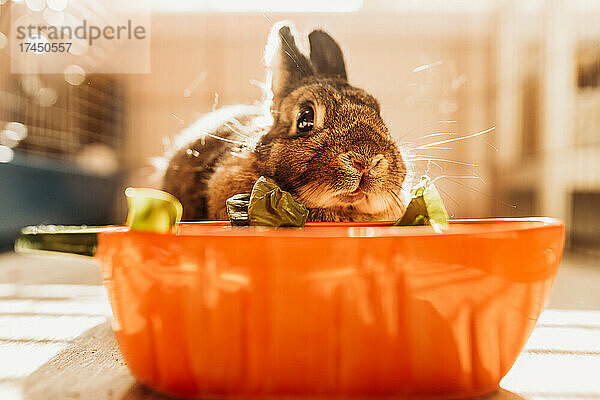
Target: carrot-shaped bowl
x,y
333,309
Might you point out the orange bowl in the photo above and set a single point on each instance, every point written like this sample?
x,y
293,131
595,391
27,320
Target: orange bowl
x,y
329,310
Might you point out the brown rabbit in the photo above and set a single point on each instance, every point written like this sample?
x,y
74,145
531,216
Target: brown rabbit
x,y
314,135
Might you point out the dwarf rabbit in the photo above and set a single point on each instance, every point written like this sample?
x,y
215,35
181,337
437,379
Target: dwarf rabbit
x,y
313,134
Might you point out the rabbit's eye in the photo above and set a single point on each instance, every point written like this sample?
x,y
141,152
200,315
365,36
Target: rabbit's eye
x,y
306,119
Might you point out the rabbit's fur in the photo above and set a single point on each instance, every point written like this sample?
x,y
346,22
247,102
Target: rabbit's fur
x,y
347,168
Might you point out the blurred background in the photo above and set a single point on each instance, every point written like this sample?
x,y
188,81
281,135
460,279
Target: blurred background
x,y
70,143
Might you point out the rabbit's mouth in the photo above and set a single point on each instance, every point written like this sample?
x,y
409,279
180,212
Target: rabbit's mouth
x,y
352,197
361,199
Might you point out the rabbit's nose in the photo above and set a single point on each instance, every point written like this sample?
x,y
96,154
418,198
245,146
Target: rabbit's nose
x,y
363,166
360,165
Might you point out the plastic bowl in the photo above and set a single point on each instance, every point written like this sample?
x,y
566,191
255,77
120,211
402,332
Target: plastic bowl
x,y
348,310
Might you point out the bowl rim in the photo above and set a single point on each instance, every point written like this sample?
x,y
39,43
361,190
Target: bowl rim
x,y
368,229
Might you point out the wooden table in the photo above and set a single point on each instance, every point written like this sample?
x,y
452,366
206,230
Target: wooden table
x,y
90,368
56,343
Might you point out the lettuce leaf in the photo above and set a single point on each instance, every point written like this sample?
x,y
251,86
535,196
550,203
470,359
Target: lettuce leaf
x,y
267,205
237,209
152,210
426,207
271,206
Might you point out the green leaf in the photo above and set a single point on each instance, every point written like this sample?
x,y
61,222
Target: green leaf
x,y
75,240
237,209
438,217
271,206
152,210
415,214
426,207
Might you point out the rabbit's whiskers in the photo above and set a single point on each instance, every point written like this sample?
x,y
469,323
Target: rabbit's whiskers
x,y
439,148
480,192
455,139
456,177
436,135
436,146
225,139
234,130
424,157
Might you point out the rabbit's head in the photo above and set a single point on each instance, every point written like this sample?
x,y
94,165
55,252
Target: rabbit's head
x,y
328,144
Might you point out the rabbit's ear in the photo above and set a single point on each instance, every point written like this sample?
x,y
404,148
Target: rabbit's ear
x,y
287,64
326,56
